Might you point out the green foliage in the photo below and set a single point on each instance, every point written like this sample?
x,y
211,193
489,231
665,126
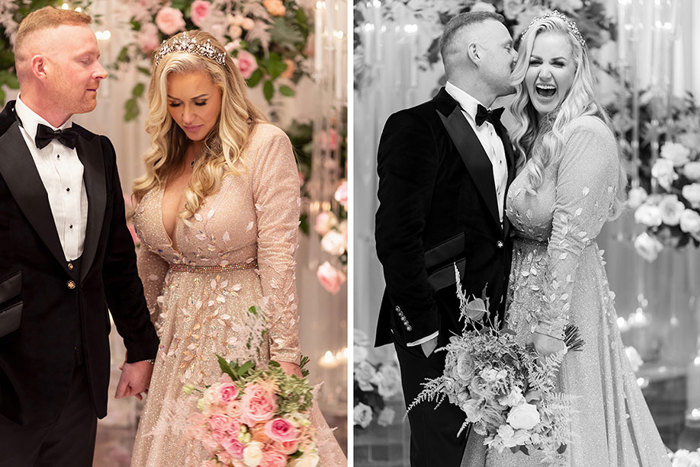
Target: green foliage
x,y
286,91
268,90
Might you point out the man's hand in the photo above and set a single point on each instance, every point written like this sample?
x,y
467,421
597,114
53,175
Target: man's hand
x,y
545,345
135,379
429,346
291,368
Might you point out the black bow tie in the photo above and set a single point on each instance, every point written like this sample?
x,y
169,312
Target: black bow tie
x,y
44,135
493,116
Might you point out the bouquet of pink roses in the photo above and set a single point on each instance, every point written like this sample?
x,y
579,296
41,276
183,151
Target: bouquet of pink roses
x,y
254,417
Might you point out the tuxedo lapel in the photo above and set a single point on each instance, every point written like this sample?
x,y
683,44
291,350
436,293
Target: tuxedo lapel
x,y
22,178
473,155
90,155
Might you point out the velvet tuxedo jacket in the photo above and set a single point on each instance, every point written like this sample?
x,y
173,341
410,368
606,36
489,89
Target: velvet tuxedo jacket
x,y
438,207
60,314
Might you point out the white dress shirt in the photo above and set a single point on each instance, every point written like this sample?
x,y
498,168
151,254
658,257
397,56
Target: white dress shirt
x,y
61,172
493,146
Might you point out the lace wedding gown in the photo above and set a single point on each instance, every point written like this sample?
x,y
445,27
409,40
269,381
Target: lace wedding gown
x,y
238,251
557,277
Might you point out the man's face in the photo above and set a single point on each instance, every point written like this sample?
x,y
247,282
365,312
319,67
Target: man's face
x,y
73,72
495,48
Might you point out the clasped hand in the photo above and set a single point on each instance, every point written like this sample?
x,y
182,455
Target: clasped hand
x,y
545,345
135,379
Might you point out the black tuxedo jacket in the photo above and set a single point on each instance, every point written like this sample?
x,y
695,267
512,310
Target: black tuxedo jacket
x,y
438,207
63,311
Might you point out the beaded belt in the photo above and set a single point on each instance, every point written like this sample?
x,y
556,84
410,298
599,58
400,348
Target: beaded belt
x,y
205,269
530,241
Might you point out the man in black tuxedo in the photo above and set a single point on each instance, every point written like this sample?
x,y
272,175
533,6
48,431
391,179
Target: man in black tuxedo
x,y
444,167
66,254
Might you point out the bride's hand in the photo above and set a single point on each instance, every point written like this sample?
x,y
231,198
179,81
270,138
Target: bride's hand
x,y
291,369
545,345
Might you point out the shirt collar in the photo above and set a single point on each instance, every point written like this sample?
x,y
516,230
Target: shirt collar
x,y
468,103
30,119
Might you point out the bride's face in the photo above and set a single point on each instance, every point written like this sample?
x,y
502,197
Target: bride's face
x,y
551,71
194,102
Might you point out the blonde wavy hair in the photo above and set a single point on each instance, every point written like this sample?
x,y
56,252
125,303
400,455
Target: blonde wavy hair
x,y
549,131
223,146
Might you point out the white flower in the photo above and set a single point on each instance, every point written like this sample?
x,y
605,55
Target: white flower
x,y
325,221
490,375
364,373
386,417
253,453
524,416
648,247
483,6
692,171
685,458
648,214
663,172
359,354
676,153
636,197
514,398
308,459
634,358
465,366
362,415
506,432
471,410
692,194
671,209
388,380
334,243
690,221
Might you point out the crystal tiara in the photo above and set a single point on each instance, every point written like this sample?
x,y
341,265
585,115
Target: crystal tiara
x,y
189,44
570,24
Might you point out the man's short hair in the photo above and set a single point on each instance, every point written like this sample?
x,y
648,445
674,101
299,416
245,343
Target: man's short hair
x,y
47,18
461,21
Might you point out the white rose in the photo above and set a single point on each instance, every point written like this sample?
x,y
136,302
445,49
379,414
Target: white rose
x,y
692,194
253,453
465,366
362,415
472,411
663,172
514,398
388,380
692,171
690,221
671,210
360,354
648,247
308,459
490,375
676,153
524,417
636,197
648,214
364,373
521,437
634,358
386,416
506,432
334,243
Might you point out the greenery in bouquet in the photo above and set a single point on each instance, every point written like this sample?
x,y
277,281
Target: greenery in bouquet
x,y
505,389
373,384
331,224
12,12
667,200
268,39
255,417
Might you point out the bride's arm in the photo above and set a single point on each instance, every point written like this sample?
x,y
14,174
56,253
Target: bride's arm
x,y
586,185
152,269
277,204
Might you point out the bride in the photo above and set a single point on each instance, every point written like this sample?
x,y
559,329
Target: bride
x,y
217,214
571,185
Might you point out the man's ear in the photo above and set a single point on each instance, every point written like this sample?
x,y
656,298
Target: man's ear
x,y
38,64
473,53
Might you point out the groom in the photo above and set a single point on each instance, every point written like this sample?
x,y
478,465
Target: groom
x,y
66,254
444,167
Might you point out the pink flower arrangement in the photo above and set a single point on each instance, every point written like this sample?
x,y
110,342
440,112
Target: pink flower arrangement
x,y
169,20
200,12
246,63
330,278
147,38
341,194
241,420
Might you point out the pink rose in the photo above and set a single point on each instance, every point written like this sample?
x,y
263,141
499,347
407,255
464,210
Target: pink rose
x,y
233,409
246,63
228,392
325,221
147,38
286,447
273,459
234,447
341,194
219,422
219,436
200,12
257,404
330,278
169,20
282,430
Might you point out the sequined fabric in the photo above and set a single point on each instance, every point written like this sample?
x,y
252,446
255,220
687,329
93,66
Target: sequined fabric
x,y
200,291
557,277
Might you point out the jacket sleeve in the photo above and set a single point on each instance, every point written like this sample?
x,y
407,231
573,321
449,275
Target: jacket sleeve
x,y
407,168
123,288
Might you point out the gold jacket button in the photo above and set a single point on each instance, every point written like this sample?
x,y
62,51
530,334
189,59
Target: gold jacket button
x,y
70,266
71,284
499,244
